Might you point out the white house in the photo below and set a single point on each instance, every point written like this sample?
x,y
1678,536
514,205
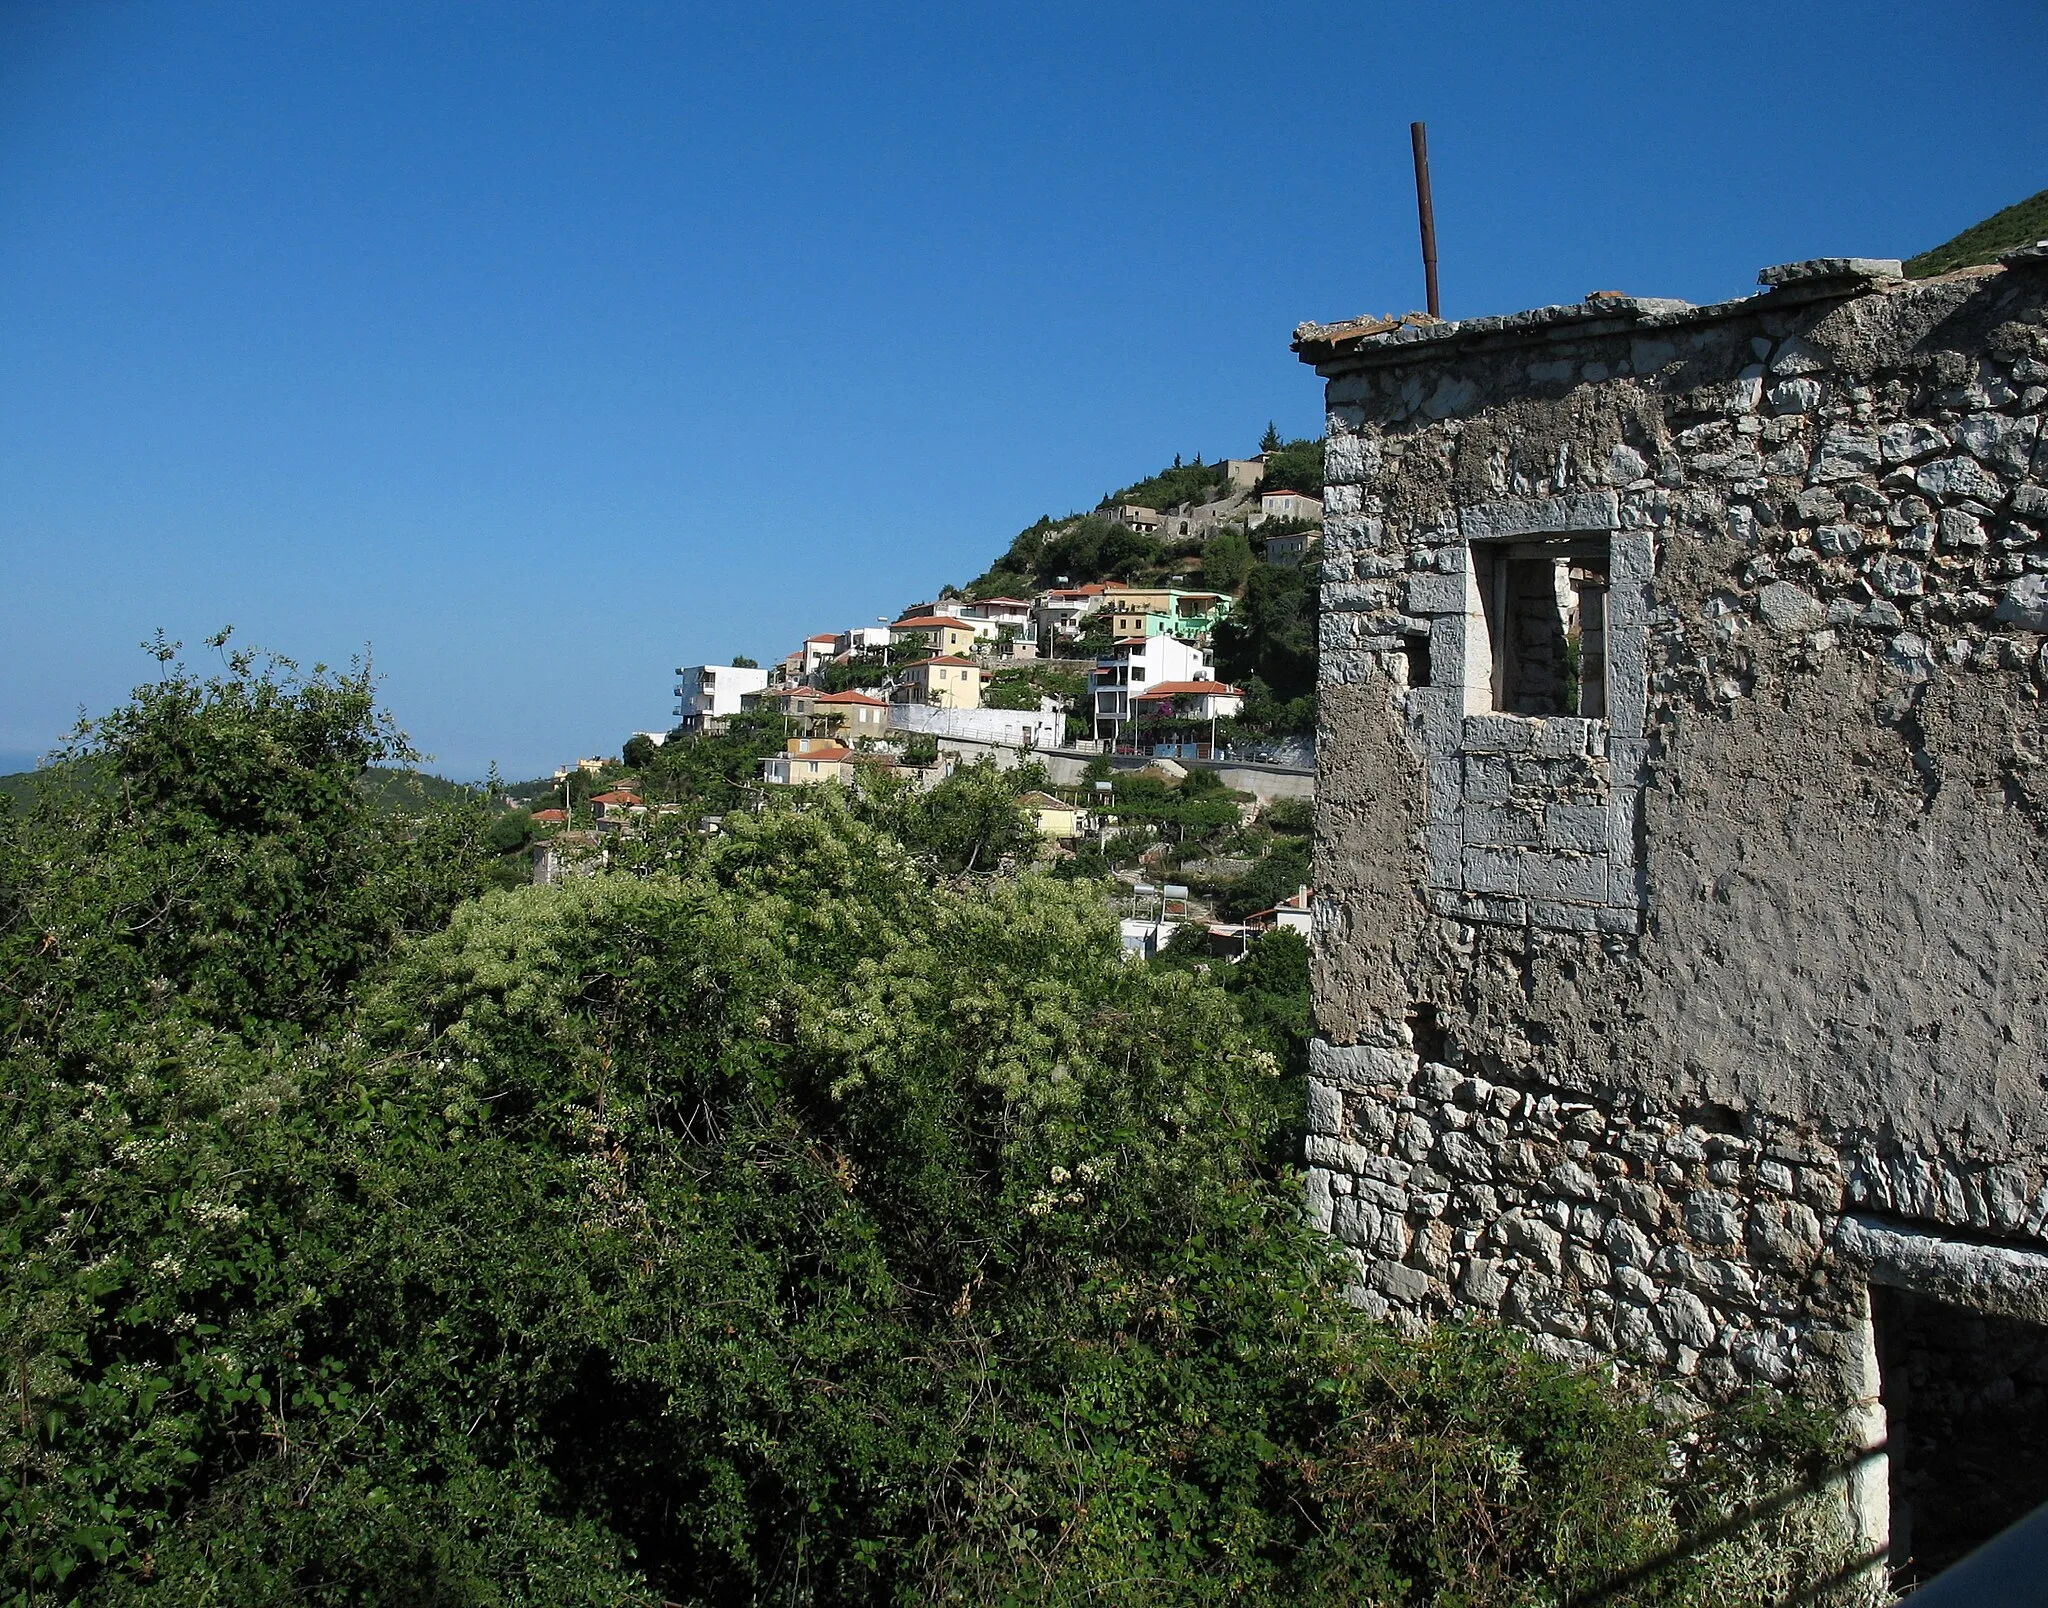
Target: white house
x,y
1189,700
1280,503
707,693
819,651
1135,664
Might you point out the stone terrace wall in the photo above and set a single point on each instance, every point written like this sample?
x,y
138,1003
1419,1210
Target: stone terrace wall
x,y
1662,1034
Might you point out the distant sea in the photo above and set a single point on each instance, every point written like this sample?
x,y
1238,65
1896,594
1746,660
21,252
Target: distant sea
x,y
17,759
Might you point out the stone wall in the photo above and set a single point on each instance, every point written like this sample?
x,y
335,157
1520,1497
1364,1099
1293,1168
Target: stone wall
x,y
1632,1018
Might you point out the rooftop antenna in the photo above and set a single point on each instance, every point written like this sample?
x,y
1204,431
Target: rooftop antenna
x,y
1418,134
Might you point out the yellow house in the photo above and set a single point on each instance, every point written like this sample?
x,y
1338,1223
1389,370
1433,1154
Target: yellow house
x,y
945,681
1056,820
941,633
808,761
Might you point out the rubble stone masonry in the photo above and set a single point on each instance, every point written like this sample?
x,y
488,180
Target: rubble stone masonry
x,y
1665,1025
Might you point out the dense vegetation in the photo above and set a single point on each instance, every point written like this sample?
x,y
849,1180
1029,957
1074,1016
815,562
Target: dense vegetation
x,y
2020,224
798,1213
1268,647
1182,483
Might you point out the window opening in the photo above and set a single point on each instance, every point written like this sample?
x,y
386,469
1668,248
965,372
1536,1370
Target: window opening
x,y
1416,648
1966,1426
1426,1032
1546,622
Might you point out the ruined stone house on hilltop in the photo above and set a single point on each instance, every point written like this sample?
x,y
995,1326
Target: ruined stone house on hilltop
x,y
1683,888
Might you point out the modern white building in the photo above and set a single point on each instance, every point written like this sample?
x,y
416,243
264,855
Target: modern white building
x,y
1135,664
707,693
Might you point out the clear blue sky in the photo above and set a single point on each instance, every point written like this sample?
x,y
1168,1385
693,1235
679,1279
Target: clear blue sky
x,y
544,348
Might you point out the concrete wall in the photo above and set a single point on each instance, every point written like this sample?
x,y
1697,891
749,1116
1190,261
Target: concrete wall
x,y
1068,767
1624,1018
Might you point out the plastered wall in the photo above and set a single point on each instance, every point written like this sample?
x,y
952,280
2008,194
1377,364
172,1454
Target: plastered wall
x,y
1624,1019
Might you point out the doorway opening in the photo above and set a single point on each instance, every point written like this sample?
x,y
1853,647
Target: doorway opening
x,y
1966,1426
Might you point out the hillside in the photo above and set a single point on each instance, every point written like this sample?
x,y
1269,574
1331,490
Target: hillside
x,y
2020,224
389,788
1085,547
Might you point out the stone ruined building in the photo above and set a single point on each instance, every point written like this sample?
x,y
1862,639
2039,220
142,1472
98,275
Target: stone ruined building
x,y
1682,850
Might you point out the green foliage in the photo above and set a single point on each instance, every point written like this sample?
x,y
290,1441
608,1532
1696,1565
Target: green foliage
x,y
791,1226
1184,815
1298,466
1294,816
1023,688
862,671
510,831
1001,582
741,662
1226,560
402,790
1090,548
1183,483
213,844
1270,637
1271,985
1270,441
1277,876
2020,224
971,821
713,773
639,751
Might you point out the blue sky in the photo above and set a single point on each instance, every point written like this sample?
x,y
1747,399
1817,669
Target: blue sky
x,y
543,348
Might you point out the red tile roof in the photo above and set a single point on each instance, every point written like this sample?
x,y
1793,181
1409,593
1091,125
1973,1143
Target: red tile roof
x,y
551,815
850,697
941,658
618,796
1191,689
928,622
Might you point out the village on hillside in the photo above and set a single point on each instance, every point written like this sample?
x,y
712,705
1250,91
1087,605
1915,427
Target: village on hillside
x,y
1140,677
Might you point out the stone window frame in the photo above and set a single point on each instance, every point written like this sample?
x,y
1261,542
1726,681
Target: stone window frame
x,y
1554,880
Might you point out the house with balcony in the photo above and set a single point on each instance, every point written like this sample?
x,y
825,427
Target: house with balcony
x,y
1192,701
944,681
706,694
791,702
810,761
849,716
1009,618
1156,610
1132,667
1057,613
1136,516
940,633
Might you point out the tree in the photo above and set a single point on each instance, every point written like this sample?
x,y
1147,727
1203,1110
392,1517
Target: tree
x,y
209,840
1271,634
638,752
741,662
1297,466
793,1226
1226,559
1270,441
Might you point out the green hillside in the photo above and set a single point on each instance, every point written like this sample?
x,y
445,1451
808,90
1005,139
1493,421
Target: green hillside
x,y
2018,225
389,787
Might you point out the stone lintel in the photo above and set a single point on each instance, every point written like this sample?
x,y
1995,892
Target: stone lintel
x,y
1983,1278
1573,512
